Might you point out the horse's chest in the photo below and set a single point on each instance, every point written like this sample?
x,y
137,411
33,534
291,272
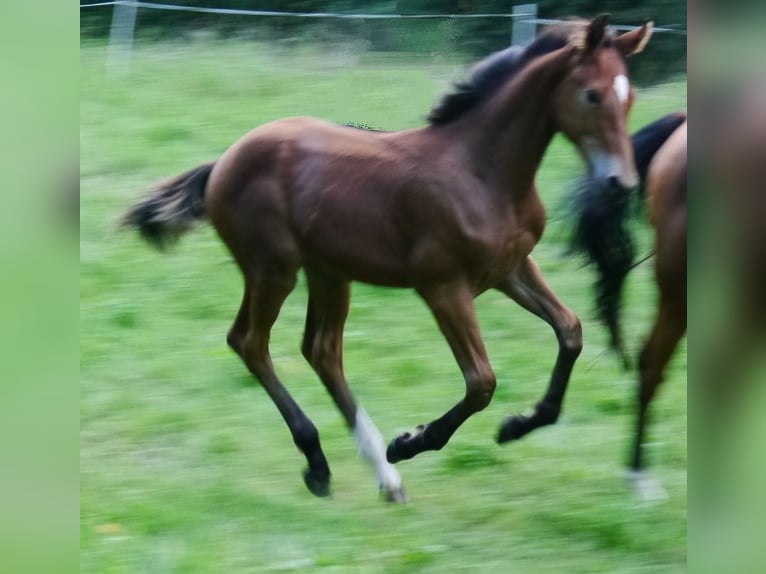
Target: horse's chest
x,y
522,226
515,248
516,241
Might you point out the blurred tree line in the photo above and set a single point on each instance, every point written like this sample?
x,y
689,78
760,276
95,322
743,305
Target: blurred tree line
x,y
473,38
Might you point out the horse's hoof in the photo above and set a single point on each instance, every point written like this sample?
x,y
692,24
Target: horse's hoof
x,y
392,451
407,445
397,495
318,484
513,428
646,486
404,447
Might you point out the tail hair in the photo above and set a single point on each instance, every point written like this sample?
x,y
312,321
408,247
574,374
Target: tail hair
x,y
171,208
603,234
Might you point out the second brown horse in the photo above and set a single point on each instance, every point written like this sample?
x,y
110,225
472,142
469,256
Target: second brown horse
x,y
450,210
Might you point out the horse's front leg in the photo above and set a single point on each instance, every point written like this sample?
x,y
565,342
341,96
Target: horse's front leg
x,y
452,305
527,286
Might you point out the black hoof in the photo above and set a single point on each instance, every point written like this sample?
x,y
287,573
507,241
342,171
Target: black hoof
x,y
513,428
407,445
317,483
393,451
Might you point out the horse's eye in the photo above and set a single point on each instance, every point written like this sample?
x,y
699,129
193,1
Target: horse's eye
x,y
593,97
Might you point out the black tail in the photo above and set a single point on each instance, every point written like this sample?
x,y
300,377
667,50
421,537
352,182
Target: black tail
x,y
601,227
172,208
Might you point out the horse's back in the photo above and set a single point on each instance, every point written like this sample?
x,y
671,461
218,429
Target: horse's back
x,y
330,193
667,196
272,156
666,176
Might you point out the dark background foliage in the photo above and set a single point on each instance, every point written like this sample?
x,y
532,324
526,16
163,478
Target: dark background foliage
x,y
472,38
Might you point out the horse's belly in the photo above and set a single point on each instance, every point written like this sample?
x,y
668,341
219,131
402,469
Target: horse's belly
x,y
352,243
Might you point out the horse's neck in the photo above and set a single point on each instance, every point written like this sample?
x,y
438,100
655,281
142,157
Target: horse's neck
x,y
513,132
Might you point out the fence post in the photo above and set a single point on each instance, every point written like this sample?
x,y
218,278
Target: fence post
x,y
524,27
121,37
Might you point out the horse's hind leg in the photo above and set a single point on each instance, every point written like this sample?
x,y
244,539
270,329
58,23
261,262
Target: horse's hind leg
x,y
238,331
323,349
528,288
668,329
265,296
452,306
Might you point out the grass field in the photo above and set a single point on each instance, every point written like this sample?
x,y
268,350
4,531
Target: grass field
x,y
186,465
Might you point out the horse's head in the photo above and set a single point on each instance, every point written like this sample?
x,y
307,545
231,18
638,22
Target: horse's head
x,y
592,102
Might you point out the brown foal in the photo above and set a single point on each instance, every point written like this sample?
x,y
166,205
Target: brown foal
x,y
450,210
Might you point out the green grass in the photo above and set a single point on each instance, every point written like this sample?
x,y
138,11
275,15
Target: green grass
x,y
186,466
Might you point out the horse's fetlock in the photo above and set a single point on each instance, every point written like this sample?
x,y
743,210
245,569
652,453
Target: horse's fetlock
x,y
306,437
547,413
436,442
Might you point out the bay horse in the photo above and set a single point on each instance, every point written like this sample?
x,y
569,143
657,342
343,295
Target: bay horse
x,y
601,232
450,210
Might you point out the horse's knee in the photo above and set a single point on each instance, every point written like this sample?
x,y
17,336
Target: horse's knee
x,y
547,413
570,335
480,387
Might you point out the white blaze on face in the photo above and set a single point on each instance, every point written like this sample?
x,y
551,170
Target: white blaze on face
x,y
372,448
622,87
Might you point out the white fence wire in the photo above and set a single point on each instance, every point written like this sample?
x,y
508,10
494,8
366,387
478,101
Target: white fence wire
x,y
530,17
339,15
524,19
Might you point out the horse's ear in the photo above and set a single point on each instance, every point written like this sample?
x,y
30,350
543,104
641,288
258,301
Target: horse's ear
x,y
635,41
596,31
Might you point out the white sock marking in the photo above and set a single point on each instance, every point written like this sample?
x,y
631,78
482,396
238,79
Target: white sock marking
x,y
373,448
648,488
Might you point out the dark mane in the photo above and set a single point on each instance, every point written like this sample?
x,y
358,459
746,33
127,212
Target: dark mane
x,y
495,70
648,140
362,126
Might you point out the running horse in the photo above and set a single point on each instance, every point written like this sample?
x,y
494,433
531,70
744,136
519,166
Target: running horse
x,y
450,210
601,232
